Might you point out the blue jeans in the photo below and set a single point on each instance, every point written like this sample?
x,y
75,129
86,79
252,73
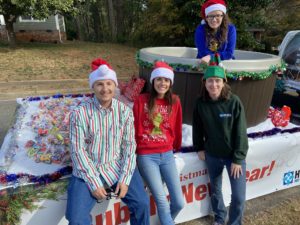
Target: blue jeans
x,y
80,202
215,167
156,168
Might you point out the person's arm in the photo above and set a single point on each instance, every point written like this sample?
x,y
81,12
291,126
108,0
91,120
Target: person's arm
x,y
81,160
228,52
136,111
198,132
178,125
240,134
200,41
128,147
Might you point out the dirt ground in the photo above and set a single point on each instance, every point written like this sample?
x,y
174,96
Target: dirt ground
x,y
45,69
279,208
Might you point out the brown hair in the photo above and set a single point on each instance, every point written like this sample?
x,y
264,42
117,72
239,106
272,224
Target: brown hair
x,y
153,95
222,31
225,93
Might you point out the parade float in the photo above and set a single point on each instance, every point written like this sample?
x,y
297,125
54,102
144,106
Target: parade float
x,y
251,75
35,160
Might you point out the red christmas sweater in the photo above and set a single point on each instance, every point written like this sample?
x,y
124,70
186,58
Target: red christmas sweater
x,y
164,132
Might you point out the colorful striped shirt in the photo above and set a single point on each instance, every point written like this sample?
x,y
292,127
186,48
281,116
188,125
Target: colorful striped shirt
x,y
102,143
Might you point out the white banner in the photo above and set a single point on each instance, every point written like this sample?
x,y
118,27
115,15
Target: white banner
x,y
273,163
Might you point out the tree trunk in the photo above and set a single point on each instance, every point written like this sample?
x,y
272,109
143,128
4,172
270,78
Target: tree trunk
x,y
80,35
112,21
97,22
120,23
9,21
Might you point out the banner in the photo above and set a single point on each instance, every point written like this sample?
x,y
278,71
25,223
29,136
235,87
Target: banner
x,y
273,164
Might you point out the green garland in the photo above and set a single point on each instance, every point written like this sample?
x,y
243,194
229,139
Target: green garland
x,y
12,204
257,75
176,66
231,75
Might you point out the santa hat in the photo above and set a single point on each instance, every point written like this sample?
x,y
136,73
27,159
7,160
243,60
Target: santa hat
x,y
162,69
101,71
212,5
215,68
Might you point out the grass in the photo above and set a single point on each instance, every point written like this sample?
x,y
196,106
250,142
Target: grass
x,y
70,60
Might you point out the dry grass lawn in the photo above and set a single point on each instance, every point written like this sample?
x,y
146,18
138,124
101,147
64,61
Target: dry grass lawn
x,y
47,69
70,60
22,69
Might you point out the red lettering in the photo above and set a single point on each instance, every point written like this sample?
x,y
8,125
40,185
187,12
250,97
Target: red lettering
x,y
263,170
108,218
200,192
188,193
259,173
99,220
118,213
152,206
254,174
271,167
247,175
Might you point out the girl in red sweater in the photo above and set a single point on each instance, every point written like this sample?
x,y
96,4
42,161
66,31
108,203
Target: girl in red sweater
x,y
158,127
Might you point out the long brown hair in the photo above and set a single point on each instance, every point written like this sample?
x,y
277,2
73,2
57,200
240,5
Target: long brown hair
x,y
225,93
153,95
221,35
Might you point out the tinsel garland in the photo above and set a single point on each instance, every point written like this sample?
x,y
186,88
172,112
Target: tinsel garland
x,y
179,67
257,75
272,132
231,75
39,98
16,179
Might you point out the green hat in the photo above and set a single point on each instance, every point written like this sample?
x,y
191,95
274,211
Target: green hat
x,y
214,71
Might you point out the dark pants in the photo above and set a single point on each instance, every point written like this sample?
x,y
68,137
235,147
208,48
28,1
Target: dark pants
x,y
238,190
80,202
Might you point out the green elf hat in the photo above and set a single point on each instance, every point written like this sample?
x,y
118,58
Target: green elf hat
x,y
214,69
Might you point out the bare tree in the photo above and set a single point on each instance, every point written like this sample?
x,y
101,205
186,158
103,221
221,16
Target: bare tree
x,y
112,20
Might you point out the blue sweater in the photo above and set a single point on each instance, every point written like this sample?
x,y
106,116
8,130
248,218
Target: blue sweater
x,y
226,50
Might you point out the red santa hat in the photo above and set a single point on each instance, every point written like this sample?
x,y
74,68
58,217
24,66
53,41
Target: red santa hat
x,y
101,71
162,69
212,5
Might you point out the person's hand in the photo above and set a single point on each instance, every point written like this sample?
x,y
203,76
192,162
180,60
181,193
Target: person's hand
x,y
121,190
236,170
201,155
99,193
205,59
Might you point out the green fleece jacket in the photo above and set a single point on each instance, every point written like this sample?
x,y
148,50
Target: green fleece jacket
x,y
219,128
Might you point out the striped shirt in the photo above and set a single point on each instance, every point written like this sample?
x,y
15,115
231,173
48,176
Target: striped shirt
x,y
102,143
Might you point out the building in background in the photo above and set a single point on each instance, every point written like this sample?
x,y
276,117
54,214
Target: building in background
x,y
3,32
29,29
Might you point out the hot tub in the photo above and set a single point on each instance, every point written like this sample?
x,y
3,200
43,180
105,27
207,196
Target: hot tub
x,y
251,76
